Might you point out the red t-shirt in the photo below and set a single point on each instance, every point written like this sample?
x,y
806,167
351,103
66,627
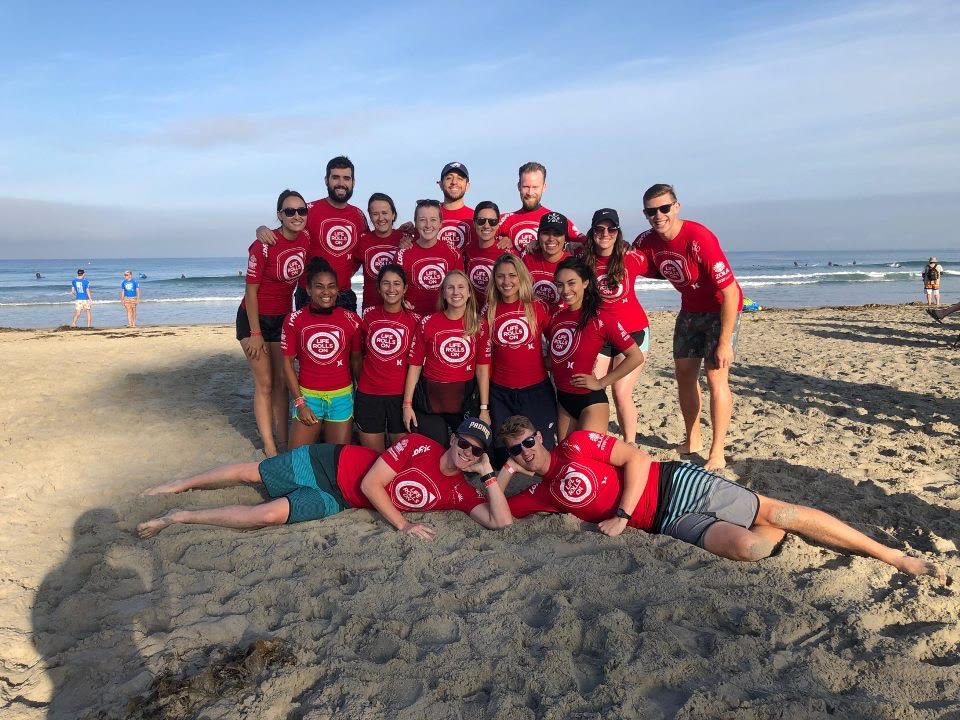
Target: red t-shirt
x,y
541,271
516,358
418,486
276,269
693,262
581,481
622,302
455,226
353,464
334,232
386,338
521,227
373,252
425,269
322,343
480,262
443,351
573,351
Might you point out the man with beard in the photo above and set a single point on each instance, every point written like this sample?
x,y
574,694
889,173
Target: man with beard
x,y
334,227
603,480
520,227
456,215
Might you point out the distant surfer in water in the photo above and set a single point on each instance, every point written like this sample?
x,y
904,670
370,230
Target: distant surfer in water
x,y
39,276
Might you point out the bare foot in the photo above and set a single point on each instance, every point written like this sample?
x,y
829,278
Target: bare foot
x,y
152,527
715,463
688,448
918,566
166,489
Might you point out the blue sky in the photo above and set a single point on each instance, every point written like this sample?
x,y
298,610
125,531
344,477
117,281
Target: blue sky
x,y
170,128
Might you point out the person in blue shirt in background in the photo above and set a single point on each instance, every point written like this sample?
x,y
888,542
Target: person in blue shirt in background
x,y
83,298
130,297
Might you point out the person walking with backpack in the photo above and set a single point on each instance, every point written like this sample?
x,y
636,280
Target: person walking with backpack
x,y
931,281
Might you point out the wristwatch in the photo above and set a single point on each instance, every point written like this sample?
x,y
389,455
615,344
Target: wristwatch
x,y
487,476
621,513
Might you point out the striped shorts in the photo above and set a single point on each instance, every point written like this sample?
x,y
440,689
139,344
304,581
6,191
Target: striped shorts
x,y
692,499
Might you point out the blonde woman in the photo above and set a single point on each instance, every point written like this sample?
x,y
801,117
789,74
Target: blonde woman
x,y
518,380
448,377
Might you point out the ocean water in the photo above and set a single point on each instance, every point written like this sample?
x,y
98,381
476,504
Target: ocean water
x,y
186,291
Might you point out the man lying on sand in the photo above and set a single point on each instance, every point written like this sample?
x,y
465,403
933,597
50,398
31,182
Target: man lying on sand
x,y
314,481
605,481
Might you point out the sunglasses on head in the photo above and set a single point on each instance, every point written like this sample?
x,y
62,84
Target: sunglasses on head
x,y
492,222
464,445
290,212
527,442
652,211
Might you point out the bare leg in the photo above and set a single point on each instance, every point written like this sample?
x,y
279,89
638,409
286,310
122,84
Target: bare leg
x,y
828,530
76,317
565,423
241,517
262,373
338,433
304,434
374,441
89,318
622,391
133,314
721,408
687,372
594,417
280,400
222,476
737,543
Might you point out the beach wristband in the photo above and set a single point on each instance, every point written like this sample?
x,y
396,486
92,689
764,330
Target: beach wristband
x,y
509,468
300,402
407,404
484,407
255,333
488,479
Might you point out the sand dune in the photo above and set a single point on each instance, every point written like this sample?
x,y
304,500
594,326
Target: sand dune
x,y
853,410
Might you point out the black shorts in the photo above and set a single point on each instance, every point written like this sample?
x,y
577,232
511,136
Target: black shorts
x,y
576,403
347,299
610,351
373,413
271,326
535,402
696,334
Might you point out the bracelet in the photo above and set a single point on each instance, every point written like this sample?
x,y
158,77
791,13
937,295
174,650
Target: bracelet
x,y
300,402
484,407
509,468
491,481
488,478
255,333
407,404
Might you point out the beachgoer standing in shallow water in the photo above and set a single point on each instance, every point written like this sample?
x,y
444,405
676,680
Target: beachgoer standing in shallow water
x,y
130,297
82,298
931,281
689,256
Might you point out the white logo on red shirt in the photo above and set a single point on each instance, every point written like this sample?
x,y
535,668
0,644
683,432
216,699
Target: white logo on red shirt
x,y
546,291
606,292
480,276
597,438
421,494
514,331
673,267
252,263
455,234
384,257
338,238
325,344
720,270
577,486
564,340
454,350
292,267
386,341
429,273
524,237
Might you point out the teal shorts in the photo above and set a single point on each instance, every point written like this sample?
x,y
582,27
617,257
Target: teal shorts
x,y
307,478
332,405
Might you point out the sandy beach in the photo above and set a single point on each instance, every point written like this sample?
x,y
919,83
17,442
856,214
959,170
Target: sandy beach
x,y
855,411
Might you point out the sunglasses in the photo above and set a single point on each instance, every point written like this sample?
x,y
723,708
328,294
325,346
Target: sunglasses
x,y
492,222
652,211
527,442
604,230
290,212
464,445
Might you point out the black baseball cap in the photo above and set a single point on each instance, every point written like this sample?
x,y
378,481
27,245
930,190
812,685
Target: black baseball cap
x,y
80,271
553,221
477,429
608,214
456,167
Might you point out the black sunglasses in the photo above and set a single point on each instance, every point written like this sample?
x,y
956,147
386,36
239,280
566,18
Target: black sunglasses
x,y
527,442
652,211
463,445
492,222
290,212
604,230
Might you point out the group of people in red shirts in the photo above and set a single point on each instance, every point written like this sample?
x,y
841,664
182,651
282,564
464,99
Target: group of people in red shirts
x,y
472,320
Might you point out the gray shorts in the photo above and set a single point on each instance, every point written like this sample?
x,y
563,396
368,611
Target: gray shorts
x,y
692,499
696,334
